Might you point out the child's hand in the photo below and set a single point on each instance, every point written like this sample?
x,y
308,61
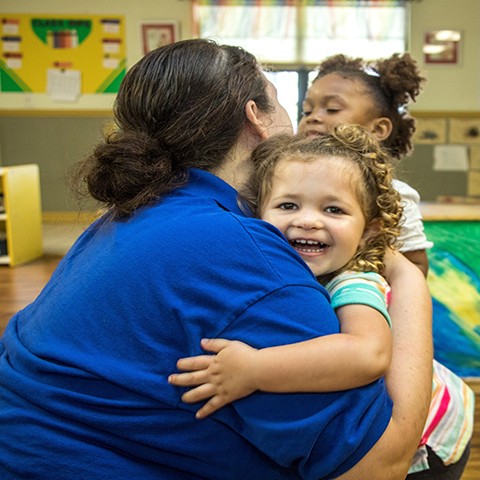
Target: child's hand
x,y
394,263
222,378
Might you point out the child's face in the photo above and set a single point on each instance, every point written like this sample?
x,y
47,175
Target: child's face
x,y
314,204
333,100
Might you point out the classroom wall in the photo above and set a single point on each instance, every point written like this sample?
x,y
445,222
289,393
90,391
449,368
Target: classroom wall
x,y
55,143
33,129
449,87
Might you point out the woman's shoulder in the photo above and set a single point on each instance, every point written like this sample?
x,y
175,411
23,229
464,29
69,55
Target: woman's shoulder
x,y
208,235
266,245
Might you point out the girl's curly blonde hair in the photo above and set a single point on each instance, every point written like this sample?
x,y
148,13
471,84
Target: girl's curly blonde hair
x,y
380,202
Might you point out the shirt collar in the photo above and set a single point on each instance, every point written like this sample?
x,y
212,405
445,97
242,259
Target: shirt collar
x,y
206,183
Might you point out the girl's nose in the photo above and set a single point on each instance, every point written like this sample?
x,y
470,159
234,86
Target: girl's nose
x,y
316,116
308,221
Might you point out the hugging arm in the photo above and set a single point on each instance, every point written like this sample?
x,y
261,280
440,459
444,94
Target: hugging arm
x,y
409,377
420,259
356,357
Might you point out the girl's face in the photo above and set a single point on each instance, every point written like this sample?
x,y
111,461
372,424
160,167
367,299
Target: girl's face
x,y
333,100
313,202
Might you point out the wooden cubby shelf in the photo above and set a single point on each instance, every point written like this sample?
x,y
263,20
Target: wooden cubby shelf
x,y
21,215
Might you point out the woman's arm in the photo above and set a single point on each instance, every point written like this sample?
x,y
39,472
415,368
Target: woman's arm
x,y
409,378
420,259
356,357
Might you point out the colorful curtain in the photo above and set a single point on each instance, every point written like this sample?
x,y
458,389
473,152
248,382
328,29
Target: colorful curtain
x,y
294,3
304,31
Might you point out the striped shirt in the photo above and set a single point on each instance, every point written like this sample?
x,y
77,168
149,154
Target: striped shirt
x,y
449,424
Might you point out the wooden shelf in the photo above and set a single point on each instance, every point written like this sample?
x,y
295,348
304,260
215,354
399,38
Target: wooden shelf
x,y
22,218
450,211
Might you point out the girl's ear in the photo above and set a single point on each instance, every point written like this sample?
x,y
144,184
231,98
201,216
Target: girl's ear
x,y
381,128
254,117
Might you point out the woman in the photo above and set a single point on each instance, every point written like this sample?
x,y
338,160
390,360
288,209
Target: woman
x,y
83,370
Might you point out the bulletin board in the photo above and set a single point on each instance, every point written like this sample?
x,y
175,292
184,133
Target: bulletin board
x,y
454,281
62,55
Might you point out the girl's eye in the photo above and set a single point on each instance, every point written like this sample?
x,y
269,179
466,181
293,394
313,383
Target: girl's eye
x,y
306,113
333,110
287,206
334,210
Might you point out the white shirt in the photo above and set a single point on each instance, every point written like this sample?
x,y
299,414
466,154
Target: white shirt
x,y
412,235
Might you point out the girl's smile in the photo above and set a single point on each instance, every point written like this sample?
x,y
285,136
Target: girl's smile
x,y
308,247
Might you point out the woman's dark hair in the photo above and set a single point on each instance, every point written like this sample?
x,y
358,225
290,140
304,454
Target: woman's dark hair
x,y
392,82
180,106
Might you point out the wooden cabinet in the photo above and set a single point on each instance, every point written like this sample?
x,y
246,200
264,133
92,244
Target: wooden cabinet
x,y
20,215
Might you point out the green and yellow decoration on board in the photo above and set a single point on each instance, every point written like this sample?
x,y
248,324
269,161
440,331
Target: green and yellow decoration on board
x,y
32,45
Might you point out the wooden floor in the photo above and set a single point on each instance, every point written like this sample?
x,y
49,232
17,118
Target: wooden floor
x,y
20,285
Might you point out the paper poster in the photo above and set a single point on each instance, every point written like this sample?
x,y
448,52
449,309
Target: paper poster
x,y
64,85
33,46
452,158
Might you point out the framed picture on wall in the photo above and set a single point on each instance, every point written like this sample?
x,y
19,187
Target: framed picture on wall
x,y
158,34
442,47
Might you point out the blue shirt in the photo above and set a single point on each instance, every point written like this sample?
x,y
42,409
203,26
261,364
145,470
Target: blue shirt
x,y
83,369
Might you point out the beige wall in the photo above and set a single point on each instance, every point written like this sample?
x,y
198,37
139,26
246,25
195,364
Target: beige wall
x,y
449,87
456,87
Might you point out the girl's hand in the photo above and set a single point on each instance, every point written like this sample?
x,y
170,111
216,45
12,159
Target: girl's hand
x,y
221,378
396,264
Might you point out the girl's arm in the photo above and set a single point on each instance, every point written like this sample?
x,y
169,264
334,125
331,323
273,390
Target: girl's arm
x,y
357,356
409,378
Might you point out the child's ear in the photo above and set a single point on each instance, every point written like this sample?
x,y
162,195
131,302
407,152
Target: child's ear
x,y
371,230
381,128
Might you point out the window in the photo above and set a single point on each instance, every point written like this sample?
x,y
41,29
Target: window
x,y
268,31
302,32
358,29
292,36
291,87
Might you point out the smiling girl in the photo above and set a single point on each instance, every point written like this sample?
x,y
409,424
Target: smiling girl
x,y
333,200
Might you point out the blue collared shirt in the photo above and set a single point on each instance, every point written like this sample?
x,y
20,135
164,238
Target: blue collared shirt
x,y
83,369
